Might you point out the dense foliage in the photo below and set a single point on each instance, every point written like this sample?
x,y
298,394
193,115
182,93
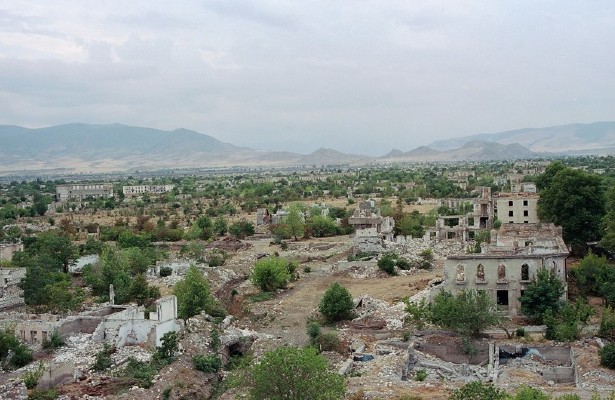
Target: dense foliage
x,y
273,273
297,374
541,295
336,304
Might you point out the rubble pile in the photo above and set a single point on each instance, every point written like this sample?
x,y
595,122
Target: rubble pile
x,y
393,315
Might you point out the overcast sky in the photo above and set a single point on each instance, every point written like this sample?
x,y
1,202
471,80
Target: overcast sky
x,y
357,76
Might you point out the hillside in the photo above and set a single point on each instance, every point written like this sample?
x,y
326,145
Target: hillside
x,y
598,137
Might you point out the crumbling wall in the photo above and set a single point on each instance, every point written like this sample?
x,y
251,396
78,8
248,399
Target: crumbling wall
x,y
56,374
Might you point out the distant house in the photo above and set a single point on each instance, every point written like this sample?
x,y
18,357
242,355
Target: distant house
x,y
517,208
81,191
139,190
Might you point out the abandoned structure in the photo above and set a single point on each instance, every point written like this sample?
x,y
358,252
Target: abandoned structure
x,y
263,217
517,208
8,249
119,325
463,226
371,229
82,191
508,264
139,190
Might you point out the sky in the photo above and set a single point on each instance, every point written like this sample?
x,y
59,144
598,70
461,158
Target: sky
x,y
361,76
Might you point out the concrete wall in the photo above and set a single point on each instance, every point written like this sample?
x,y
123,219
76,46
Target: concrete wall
x,y
56,374
455,354
8,249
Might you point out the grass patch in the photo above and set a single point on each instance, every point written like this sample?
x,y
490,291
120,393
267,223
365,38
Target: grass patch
x,y
262,296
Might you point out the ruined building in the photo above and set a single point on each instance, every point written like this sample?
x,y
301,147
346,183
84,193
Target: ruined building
x,y
139,190
517,208
508,263
82,191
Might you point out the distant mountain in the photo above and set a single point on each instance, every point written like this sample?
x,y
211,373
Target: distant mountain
x,y
598,137
324,156
470,151
85,147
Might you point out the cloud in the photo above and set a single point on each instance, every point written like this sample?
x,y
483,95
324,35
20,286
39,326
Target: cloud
x,y
361,76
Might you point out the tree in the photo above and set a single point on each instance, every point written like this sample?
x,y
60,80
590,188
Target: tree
x,y
60,248
336,304
294,222
608,221
272,273
595,276
607,356
468,313
242,229
193,295
220,226
542,294
295,374
478,391
574,200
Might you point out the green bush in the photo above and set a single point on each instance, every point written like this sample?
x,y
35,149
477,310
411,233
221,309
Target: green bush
x,y
31,378
262,296
43,394
310,378
387,264
272,273
566,325
520,332
313,331
607,356
210,363
102,359
165,271
478,391
329,341
529,393
336,304
421,375
607,324
140,372
56,340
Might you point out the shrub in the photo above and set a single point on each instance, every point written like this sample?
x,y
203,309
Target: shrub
x,y
421,375
542,294
387,264
31,378
102,360
529,393
262,296
140,372
286,372
43,394
313,331
478,391
55,340
272,273
520,332
166,352
567,324
210,363
336,304
307,270
329,341
165,271
607,324
607,356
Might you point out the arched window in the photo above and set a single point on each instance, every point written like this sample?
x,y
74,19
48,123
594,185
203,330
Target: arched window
x,y
525,272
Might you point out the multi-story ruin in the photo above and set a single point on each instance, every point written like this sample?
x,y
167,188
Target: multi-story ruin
x,y
82,191
507,265
139,190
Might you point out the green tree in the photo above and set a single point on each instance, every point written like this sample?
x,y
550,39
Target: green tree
x,y
594,276
193,295
542,294
295,374
478,391
607,356
58,247
336,304
272,273
220,226
294,222
608,221
566,325
242,229
574,200
468,313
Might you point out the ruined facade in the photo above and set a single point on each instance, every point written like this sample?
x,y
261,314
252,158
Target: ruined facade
x,y
82,191
463,226
509,263
139,190
517,208
118,325
371,229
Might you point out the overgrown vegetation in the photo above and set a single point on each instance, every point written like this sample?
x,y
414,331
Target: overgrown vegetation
x,y
468,313
336,304
273,273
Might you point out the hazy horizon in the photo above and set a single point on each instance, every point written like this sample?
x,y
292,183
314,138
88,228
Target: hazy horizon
x,y
358,77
